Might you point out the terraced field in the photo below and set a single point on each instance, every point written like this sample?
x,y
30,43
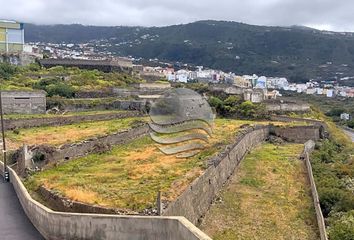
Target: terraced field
x,y
58,135
67,114
130,175
268,198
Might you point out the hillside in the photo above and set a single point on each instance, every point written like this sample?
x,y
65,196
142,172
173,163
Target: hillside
x,y
295,52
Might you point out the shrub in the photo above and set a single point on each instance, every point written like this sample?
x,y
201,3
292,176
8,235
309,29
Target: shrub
x,y
7,70
60,89
351,124
341,226
55,87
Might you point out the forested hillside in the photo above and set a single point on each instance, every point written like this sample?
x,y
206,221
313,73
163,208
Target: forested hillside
x,y
298,53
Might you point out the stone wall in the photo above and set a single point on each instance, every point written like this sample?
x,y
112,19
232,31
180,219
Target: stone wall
x,y
197,198
11,124
57,202
69,151
58,225
137,105
88,146
293,119
297,134
287,107
309,147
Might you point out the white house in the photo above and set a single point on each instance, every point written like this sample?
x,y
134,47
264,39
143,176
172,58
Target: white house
x,y
345,116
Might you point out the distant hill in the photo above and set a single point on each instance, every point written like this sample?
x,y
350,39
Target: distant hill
x,y
296,52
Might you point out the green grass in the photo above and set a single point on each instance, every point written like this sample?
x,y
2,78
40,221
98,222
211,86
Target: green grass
x,y
268,198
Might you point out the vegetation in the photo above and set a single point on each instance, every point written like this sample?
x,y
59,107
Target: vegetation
x,y
268,198
60,81
332,107
58,135
297,53
333,169
130,175
65,114
235,106
7,70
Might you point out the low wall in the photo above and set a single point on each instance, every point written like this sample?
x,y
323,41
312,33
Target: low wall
x,y
57,202
11,124
287,107
137,105
196,200
75,150
58,225
297,134
69,151
293,119
309,147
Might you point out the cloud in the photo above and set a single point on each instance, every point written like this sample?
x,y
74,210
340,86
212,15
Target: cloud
x,y
325,14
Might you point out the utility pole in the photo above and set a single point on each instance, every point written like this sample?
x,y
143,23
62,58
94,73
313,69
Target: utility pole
x,y
6,173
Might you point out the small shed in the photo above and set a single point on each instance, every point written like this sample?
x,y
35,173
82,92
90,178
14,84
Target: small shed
x,y
23,102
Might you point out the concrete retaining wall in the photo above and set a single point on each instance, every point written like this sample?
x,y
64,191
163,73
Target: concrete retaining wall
x,y
138,105
196,200
11,124
293,119
309,146
287,107
69,151
297,134
81,149
58,226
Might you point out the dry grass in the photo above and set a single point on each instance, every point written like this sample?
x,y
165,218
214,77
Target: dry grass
x,y
130,175
67,114
268,198
58,135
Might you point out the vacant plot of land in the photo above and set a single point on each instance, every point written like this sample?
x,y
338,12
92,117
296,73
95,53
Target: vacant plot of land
x,y
59,135
268,198
130,175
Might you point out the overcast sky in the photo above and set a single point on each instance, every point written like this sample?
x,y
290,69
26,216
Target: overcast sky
x,y
336,15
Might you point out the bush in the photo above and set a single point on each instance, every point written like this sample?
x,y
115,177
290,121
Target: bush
x,y
55,87
61,90
342,226
351,124
7,70
335,112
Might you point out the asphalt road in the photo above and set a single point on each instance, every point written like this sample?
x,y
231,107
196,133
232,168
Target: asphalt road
x,y
14,224
350,134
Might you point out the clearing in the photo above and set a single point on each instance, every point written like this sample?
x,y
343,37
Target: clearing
x,y
268,198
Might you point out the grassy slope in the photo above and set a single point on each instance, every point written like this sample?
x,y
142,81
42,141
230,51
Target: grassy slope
x,y
130,175
268,198
58,135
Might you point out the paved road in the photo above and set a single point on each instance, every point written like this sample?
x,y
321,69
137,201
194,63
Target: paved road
x,y
14,224
350,134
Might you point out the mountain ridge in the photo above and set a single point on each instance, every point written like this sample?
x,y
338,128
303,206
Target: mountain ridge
x,y
299,53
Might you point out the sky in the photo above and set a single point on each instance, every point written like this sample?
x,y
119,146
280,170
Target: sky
x,y
333,15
